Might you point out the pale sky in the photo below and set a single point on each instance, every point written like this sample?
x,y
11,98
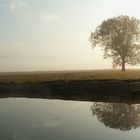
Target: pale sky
x,y
44,35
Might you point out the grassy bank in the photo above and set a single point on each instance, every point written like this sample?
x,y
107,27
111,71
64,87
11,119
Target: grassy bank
x,y
69,75
95,90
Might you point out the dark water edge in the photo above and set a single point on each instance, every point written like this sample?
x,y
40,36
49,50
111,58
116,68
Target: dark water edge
x,y
97,91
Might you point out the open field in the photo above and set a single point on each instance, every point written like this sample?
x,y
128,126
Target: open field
x,y
23,77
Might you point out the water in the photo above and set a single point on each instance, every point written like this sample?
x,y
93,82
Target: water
x,y
43,119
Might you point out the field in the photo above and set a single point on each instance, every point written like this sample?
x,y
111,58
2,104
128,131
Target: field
x,y
25,77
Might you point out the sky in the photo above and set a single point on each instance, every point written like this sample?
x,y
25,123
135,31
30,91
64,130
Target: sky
x,y
50,35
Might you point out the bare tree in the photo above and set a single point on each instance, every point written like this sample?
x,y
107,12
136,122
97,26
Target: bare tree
x,y
120,39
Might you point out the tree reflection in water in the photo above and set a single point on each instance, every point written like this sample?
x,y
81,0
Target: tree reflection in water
x,y
117,115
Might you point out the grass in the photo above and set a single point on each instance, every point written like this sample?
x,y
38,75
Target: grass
x,y
69,75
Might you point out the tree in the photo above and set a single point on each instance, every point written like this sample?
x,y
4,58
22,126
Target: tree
x,y
120,39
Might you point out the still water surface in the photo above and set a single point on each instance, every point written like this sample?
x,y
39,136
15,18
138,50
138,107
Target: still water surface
x,y
43,119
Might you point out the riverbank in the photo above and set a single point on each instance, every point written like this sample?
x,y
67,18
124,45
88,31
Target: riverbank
x,y
101,91
101,85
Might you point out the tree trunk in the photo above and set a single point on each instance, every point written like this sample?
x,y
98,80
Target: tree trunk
x,y
123,65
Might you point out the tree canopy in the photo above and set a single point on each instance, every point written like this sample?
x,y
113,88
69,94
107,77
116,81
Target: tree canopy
x,y
120,39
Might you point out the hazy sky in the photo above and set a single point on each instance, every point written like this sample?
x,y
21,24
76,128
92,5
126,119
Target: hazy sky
x,y
53,34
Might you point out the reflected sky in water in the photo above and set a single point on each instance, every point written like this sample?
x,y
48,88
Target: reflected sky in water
x,y
43,119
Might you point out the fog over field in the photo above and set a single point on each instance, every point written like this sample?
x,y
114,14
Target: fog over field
x,y
50,35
